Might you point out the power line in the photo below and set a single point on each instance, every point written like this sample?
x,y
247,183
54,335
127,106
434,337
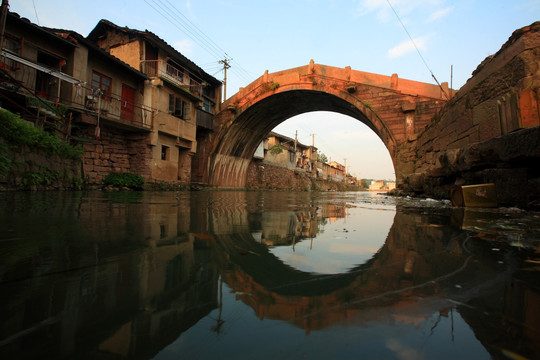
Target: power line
x,y
166,13
37,18
417,50
166,9
199,31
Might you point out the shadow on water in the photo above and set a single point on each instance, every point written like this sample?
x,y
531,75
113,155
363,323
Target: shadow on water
x,y
261,274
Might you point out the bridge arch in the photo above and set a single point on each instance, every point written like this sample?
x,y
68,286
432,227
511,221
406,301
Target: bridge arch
x,y
393,108
253,124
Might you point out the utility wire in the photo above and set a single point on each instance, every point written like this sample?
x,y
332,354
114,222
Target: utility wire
x,y
167,10
417,50
37,18
199,31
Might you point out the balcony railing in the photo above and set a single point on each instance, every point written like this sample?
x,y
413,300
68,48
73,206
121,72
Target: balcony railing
x,y
21,77
170,73
112,107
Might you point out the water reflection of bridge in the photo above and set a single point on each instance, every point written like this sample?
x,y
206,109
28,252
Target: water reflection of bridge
x,y
132,288
414,262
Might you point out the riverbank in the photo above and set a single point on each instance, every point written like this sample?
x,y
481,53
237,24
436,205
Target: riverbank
x,y
32,159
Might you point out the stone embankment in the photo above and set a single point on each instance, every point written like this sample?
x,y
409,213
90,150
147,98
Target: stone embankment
x,y
487,133
32,169
265,176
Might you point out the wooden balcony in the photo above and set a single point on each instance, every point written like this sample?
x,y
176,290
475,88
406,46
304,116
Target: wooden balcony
x,y
173,75
205,120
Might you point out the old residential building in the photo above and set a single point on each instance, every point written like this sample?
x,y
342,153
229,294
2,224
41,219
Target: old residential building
x,y
110,112
287,152
35,62
62,82
184,97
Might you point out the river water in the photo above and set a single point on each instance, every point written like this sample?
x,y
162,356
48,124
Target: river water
x,y
264,275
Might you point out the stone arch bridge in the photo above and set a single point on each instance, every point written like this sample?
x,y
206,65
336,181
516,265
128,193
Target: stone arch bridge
x,y
395,109
487,132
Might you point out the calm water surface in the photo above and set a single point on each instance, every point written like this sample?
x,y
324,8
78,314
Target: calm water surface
x,y
264,275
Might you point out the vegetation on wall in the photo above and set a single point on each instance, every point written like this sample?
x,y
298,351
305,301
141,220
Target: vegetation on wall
x,y
43,176
129,180
5,161
276,149
17,132
271,86
26,154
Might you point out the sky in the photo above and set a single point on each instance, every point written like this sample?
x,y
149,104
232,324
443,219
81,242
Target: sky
x,y
276,35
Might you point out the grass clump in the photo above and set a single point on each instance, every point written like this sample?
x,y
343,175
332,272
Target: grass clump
x,y
15,132
129,180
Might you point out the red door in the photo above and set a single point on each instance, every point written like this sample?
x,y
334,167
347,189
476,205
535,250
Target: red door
x,y
127,106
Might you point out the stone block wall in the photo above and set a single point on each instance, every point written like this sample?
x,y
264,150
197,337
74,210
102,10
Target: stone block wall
x,y
261,175
34,169
485,133
115,151
264,176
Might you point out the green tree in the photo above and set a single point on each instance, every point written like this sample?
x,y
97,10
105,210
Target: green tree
x,y
363,184
322,158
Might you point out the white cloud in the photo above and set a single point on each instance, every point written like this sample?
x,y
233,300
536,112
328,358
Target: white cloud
x,y
384,12
184,46
407,46
439,14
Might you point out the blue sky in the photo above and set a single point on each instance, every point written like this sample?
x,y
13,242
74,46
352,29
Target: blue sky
x,y
276,35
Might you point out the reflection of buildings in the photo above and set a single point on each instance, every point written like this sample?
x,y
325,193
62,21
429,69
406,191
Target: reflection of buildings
x,y
128,290
417,262
128,281
285,228
288,227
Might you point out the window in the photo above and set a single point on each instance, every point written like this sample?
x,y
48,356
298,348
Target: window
x,y
100,81
207,106
164,152
176,106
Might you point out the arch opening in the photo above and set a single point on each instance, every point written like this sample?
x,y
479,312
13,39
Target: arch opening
x,y
342,139
251,126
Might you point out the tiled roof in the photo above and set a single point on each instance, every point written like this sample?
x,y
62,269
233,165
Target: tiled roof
x,y
16,18
72,39
158,42
78,38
